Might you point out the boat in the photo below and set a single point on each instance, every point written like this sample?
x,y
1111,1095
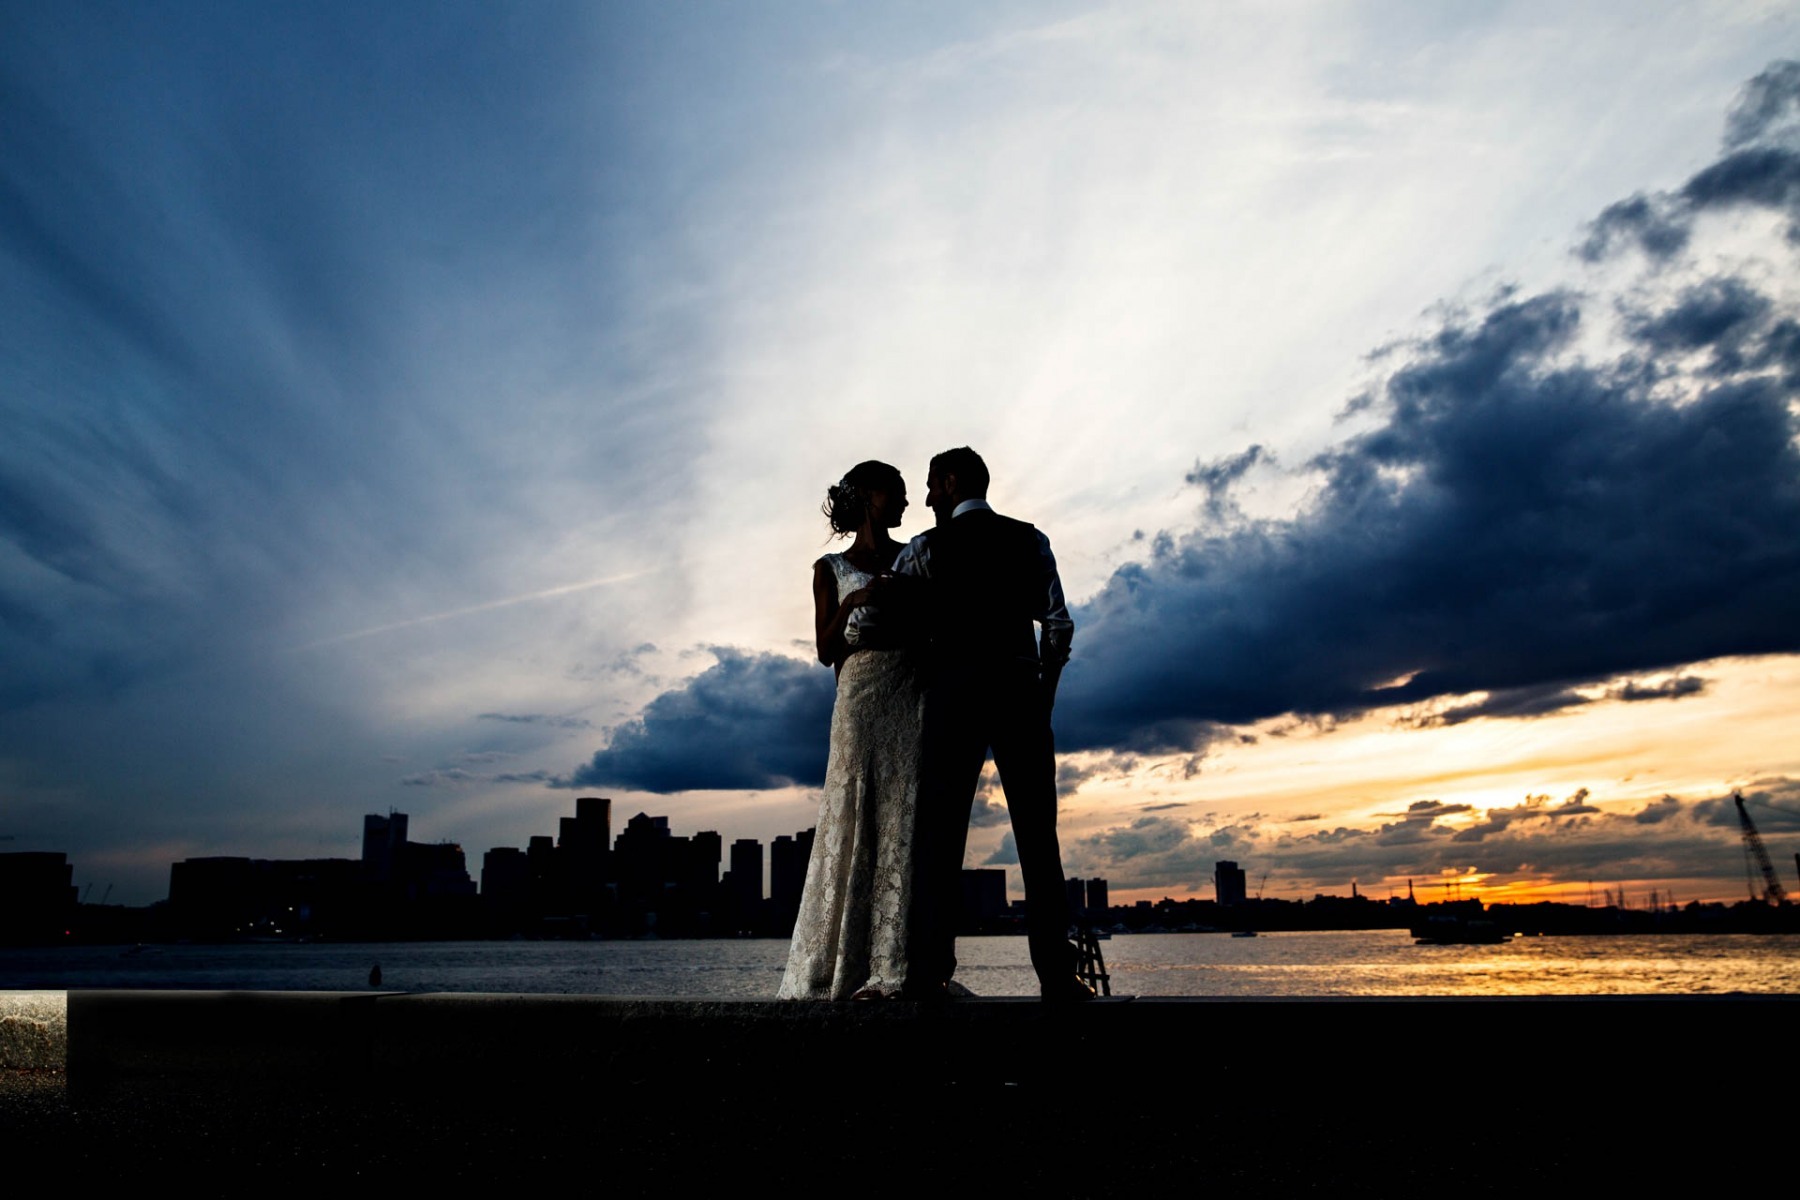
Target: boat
x,y
1458,931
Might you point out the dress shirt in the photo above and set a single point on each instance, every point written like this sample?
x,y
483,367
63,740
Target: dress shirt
x,y
1053,615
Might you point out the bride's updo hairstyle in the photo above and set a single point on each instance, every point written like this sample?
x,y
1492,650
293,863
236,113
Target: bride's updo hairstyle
x,y
847,500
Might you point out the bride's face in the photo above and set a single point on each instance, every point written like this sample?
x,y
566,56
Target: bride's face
x,y
887,505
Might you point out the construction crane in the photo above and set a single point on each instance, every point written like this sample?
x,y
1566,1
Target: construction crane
x,y
1754,850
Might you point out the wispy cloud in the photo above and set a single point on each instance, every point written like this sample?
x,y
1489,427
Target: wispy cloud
x,y
567,589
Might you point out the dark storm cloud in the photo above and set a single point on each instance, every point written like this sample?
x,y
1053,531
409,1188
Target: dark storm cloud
x,y
749,721
1760,167
1669,689
1720,314
1520,522
1517,524
1510,702
1544,699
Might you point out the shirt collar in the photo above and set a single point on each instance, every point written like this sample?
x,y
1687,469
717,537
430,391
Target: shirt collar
x,y
971,506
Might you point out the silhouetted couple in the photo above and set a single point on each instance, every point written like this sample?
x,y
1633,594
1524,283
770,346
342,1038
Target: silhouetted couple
x,y
939,660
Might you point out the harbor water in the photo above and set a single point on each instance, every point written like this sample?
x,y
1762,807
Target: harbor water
x,y
1380,963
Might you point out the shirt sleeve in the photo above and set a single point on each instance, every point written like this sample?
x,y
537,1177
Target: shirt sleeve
x,y
1059,627
914,559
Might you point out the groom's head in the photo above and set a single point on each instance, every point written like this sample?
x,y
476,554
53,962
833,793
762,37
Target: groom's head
x,y
954,476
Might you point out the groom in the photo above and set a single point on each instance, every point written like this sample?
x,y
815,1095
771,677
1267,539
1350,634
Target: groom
x,y
991,684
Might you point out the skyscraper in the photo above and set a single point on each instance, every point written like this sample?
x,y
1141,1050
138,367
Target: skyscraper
x,y
1228,882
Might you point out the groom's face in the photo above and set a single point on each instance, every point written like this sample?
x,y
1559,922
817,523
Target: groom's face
x,y
937,495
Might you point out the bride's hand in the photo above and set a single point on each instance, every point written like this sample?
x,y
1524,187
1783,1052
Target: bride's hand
x,y
858,598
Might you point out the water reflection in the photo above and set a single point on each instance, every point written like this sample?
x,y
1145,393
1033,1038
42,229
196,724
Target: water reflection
x,y
1384,963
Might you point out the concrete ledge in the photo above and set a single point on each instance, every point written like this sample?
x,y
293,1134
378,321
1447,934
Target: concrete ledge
x,y
298,1035
658,1097
332,1039
33,1031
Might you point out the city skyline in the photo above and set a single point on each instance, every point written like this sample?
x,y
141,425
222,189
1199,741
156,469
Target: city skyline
x,y
428,409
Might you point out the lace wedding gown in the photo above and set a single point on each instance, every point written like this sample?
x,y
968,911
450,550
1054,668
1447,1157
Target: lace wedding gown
x,y
851,933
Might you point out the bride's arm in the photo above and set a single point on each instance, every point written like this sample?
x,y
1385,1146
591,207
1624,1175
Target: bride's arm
x,y
829,616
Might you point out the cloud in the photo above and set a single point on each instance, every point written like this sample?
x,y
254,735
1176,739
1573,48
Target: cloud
x,y
749,721
1005,854
988,812
1217,477
1534,808
1524,518
1510,702
1572,838
441,777
538,776
1760,167
552,721
1430,810
1668,689
1773,805
458,774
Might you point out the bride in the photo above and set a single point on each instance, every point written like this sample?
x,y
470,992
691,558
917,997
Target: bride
x,y
850,939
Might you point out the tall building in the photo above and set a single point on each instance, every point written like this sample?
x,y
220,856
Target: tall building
x,y
1228,883
742,890
747,871
595,812
412,888
706,850
383,841
788,857
37,895
1096,898
983,896
505,877
584,855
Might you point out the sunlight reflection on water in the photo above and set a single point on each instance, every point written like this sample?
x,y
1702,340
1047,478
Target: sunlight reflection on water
x,y
1384,963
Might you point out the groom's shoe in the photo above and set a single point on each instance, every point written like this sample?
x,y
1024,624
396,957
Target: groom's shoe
x,y
927,993
1067,991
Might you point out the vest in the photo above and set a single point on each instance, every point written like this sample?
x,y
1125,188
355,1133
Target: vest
x,y
988,584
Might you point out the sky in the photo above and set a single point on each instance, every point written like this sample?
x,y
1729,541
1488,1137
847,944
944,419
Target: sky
x,y
428,407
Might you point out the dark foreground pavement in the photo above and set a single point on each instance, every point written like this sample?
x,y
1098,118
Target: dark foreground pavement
x,y
227,1092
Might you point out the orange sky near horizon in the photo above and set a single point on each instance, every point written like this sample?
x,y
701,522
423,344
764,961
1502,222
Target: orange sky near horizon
x,y
1364,773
